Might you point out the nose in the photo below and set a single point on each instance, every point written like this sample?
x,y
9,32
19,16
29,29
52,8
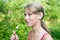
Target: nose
x,y
26,17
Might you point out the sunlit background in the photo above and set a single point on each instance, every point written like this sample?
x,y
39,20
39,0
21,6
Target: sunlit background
x,y
12,18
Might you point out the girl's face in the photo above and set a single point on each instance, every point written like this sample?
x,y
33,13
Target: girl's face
x,y
31,18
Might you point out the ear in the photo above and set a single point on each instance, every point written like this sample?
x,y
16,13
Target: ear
x,y
40,15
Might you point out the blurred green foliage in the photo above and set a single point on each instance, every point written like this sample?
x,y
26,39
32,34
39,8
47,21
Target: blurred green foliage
x,y
12,18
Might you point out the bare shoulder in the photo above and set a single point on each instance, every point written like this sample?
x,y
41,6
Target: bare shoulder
x,y
48,37
29,34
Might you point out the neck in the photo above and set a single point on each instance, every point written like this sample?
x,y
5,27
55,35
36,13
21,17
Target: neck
x,y
37,28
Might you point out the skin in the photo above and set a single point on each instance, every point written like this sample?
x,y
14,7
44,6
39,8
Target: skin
x,y
33,20
14,36
30,18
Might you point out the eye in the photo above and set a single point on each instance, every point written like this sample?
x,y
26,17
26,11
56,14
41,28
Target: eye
x,y
30,14
25,14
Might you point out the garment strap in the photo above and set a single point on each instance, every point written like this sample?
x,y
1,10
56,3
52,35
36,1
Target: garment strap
x,y
43,36
29,35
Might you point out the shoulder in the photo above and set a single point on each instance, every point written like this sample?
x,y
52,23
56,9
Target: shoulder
x,y
48,37
29,34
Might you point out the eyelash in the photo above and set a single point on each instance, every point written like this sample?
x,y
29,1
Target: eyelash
x,y
28,14
25,14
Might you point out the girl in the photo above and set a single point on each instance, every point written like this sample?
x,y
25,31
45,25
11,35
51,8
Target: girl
x,y
34,14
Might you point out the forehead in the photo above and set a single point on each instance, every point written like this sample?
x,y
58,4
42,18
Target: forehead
x,y
27,10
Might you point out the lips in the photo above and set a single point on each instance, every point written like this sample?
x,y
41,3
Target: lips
x,y
27,21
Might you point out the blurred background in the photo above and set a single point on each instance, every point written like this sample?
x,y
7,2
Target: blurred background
x,y
12,18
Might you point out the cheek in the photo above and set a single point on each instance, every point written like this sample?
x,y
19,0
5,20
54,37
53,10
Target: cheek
x,y
34,19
